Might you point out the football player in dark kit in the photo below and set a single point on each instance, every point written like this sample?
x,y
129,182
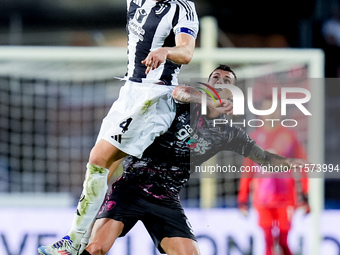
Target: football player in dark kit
x,y
149,187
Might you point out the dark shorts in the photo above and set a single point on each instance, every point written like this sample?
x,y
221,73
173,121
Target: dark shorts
x,y
162,218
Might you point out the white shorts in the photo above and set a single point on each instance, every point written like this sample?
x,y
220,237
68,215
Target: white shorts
x,y
142,112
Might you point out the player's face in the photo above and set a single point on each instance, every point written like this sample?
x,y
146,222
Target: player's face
x,y
222,77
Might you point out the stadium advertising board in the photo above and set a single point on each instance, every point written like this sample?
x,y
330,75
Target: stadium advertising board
x,y
219,232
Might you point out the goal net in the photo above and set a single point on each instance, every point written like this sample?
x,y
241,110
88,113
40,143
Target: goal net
x,y
52,101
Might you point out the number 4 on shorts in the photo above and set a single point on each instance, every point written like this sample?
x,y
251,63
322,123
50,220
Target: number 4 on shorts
x,y
125,124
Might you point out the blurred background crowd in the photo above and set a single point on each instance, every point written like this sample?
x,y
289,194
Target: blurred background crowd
x,y
243,23
246,23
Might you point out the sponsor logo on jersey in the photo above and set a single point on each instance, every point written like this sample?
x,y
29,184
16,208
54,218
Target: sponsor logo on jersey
x,y
184,132
140,15
192,143
202,145
136,29
198,144
161,9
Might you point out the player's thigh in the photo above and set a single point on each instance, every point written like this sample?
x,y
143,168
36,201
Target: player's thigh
x,y
101,241
265,217
104,154
113,167
179,246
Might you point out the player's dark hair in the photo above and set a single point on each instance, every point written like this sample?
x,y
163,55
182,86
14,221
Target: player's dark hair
x,y
224,68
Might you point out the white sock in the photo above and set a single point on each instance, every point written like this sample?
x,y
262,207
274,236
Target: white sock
x,y
94,191
85,239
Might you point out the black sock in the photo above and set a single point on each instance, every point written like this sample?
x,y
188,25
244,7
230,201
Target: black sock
x,y
85,252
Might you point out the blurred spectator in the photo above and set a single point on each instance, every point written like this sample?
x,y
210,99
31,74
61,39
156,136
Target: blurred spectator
x,y
330,31
275,195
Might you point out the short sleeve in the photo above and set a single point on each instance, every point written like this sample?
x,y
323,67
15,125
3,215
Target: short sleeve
x,y
187,19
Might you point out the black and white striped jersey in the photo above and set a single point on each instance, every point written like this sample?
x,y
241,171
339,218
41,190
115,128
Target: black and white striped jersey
x,y
153,24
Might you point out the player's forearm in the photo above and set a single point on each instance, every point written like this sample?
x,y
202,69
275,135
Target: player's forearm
x,y
180,54
265,158
186,94
183,52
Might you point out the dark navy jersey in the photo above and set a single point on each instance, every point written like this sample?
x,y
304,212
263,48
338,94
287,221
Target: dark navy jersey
x,y
165,165
154,24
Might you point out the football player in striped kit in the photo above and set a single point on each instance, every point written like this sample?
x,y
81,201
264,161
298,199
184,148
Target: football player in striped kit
x,y
161,38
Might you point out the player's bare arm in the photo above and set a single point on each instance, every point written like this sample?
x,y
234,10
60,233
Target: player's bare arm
x,y
182,53
265,158
188,94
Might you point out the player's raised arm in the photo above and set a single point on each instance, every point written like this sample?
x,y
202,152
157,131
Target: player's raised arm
x,y
265,158
188,94
183,52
